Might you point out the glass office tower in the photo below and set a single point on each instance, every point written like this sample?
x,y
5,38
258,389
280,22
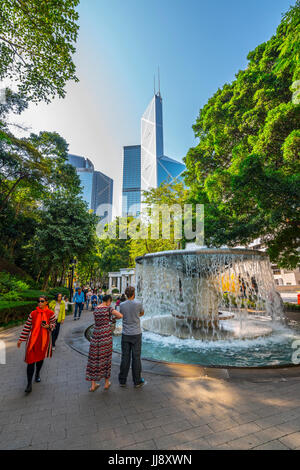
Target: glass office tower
x,y
102,193
97,188
145,166
131,197
168,169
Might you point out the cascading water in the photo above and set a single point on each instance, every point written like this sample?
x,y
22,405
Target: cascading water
x,y
215,307
208,294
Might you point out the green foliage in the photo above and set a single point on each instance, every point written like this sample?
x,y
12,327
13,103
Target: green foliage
x,y
9,283
167,194
289,307
32,294
12,295
13,311
51,293
36,45
115,291
246,167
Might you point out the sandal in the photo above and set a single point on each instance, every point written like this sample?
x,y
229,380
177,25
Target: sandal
x,y
93,389
106,388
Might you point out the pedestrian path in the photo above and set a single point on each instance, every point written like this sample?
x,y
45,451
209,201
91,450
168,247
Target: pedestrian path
x,y
203,412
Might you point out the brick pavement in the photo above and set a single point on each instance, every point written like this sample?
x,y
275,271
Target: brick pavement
x,y
168,413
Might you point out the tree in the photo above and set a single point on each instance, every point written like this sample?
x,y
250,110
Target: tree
x,y
246,166
167,194
36,45
67,230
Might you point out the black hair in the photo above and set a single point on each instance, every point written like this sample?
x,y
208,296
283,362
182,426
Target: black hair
x,y
43,297
106,298
56,296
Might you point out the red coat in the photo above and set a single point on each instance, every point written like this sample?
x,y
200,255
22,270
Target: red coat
x,y
38,339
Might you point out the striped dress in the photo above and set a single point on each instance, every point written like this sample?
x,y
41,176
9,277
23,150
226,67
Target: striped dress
x,y
100,353
38,344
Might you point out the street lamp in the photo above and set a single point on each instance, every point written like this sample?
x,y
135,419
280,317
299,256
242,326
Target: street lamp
x,y
71,277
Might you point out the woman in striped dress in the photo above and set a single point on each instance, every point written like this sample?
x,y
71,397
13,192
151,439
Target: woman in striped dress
x,y
100,354
37,335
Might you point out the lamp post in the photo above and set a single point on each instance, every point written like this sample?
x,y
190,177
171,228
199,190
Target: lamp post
x,y
71,278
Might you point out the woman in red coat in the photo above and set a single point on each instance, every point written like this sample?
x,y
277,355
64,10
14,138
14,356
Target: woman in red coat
x,y
37,334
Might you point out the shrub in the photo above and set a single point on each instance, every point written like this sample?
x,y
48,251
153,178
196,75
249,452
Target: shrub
x,y
31,294
51,293
115,291
13,311
12,295
9,282
291,307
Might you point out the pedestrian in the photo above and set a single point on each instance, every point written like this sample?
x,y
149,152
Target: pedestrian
x,y
79,303
131,343
37,335
88,297
100,352
58,306
123,298
100,296
118,301
94,300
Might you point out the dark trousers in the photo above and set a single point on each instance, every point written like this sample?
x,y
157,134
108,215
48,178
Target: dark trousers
x,y
78,305
55,334
30,370
131,351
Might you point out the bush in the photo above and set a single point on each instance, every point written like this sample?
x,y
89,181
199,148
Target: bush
x,y
31,294
291,307
12,295
115,291
9,282
51,293
13,311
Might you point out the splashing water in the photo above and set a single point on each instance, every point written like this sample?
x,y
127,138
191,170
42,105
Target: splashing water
x,y
208,293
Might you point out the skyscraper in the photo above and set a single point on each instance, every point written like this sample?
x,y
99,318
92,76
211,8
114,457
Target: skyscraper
x,y
102,193
131,197
97,187
145,166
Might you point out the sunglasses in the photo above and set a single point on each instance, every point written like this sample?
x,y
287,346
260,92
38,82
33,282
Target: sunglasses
x,y
41,301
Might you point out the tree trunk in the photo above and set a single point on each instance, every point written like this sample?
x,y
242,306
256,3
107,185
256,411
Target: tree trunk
x,y
9,192
46,278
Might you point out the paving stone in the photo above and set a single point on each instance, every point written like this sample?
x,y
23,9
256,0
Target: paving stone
x,y
145,445
292,441
272,445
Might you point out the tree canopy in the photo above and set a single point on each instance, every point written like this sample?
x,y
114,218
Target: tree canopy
x,y
246,167
37,40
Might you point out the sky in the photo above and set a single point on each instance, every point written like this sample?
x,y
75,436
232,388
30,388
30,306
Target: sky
x,y
198,46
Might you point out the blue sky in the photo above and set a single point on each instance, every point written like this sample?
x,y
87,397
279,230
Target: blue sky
x,y
199,45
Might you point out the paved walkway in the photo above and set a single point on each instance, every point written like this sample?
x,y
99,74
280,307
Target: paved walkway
x,y
168,413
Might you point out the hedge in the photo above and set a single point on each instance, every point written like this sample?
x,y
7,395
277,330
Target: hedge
x,y
13,311
291,307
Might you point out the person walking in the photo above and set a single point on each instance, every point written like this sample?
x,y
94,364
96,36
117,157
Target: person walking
x,y
58,306
37,335
100,352
131,343
123,298
88,298
79,303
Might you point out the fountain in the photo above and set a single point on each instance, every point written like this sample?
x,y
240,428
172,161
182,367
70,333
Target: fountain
x,y
207,293
211,306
